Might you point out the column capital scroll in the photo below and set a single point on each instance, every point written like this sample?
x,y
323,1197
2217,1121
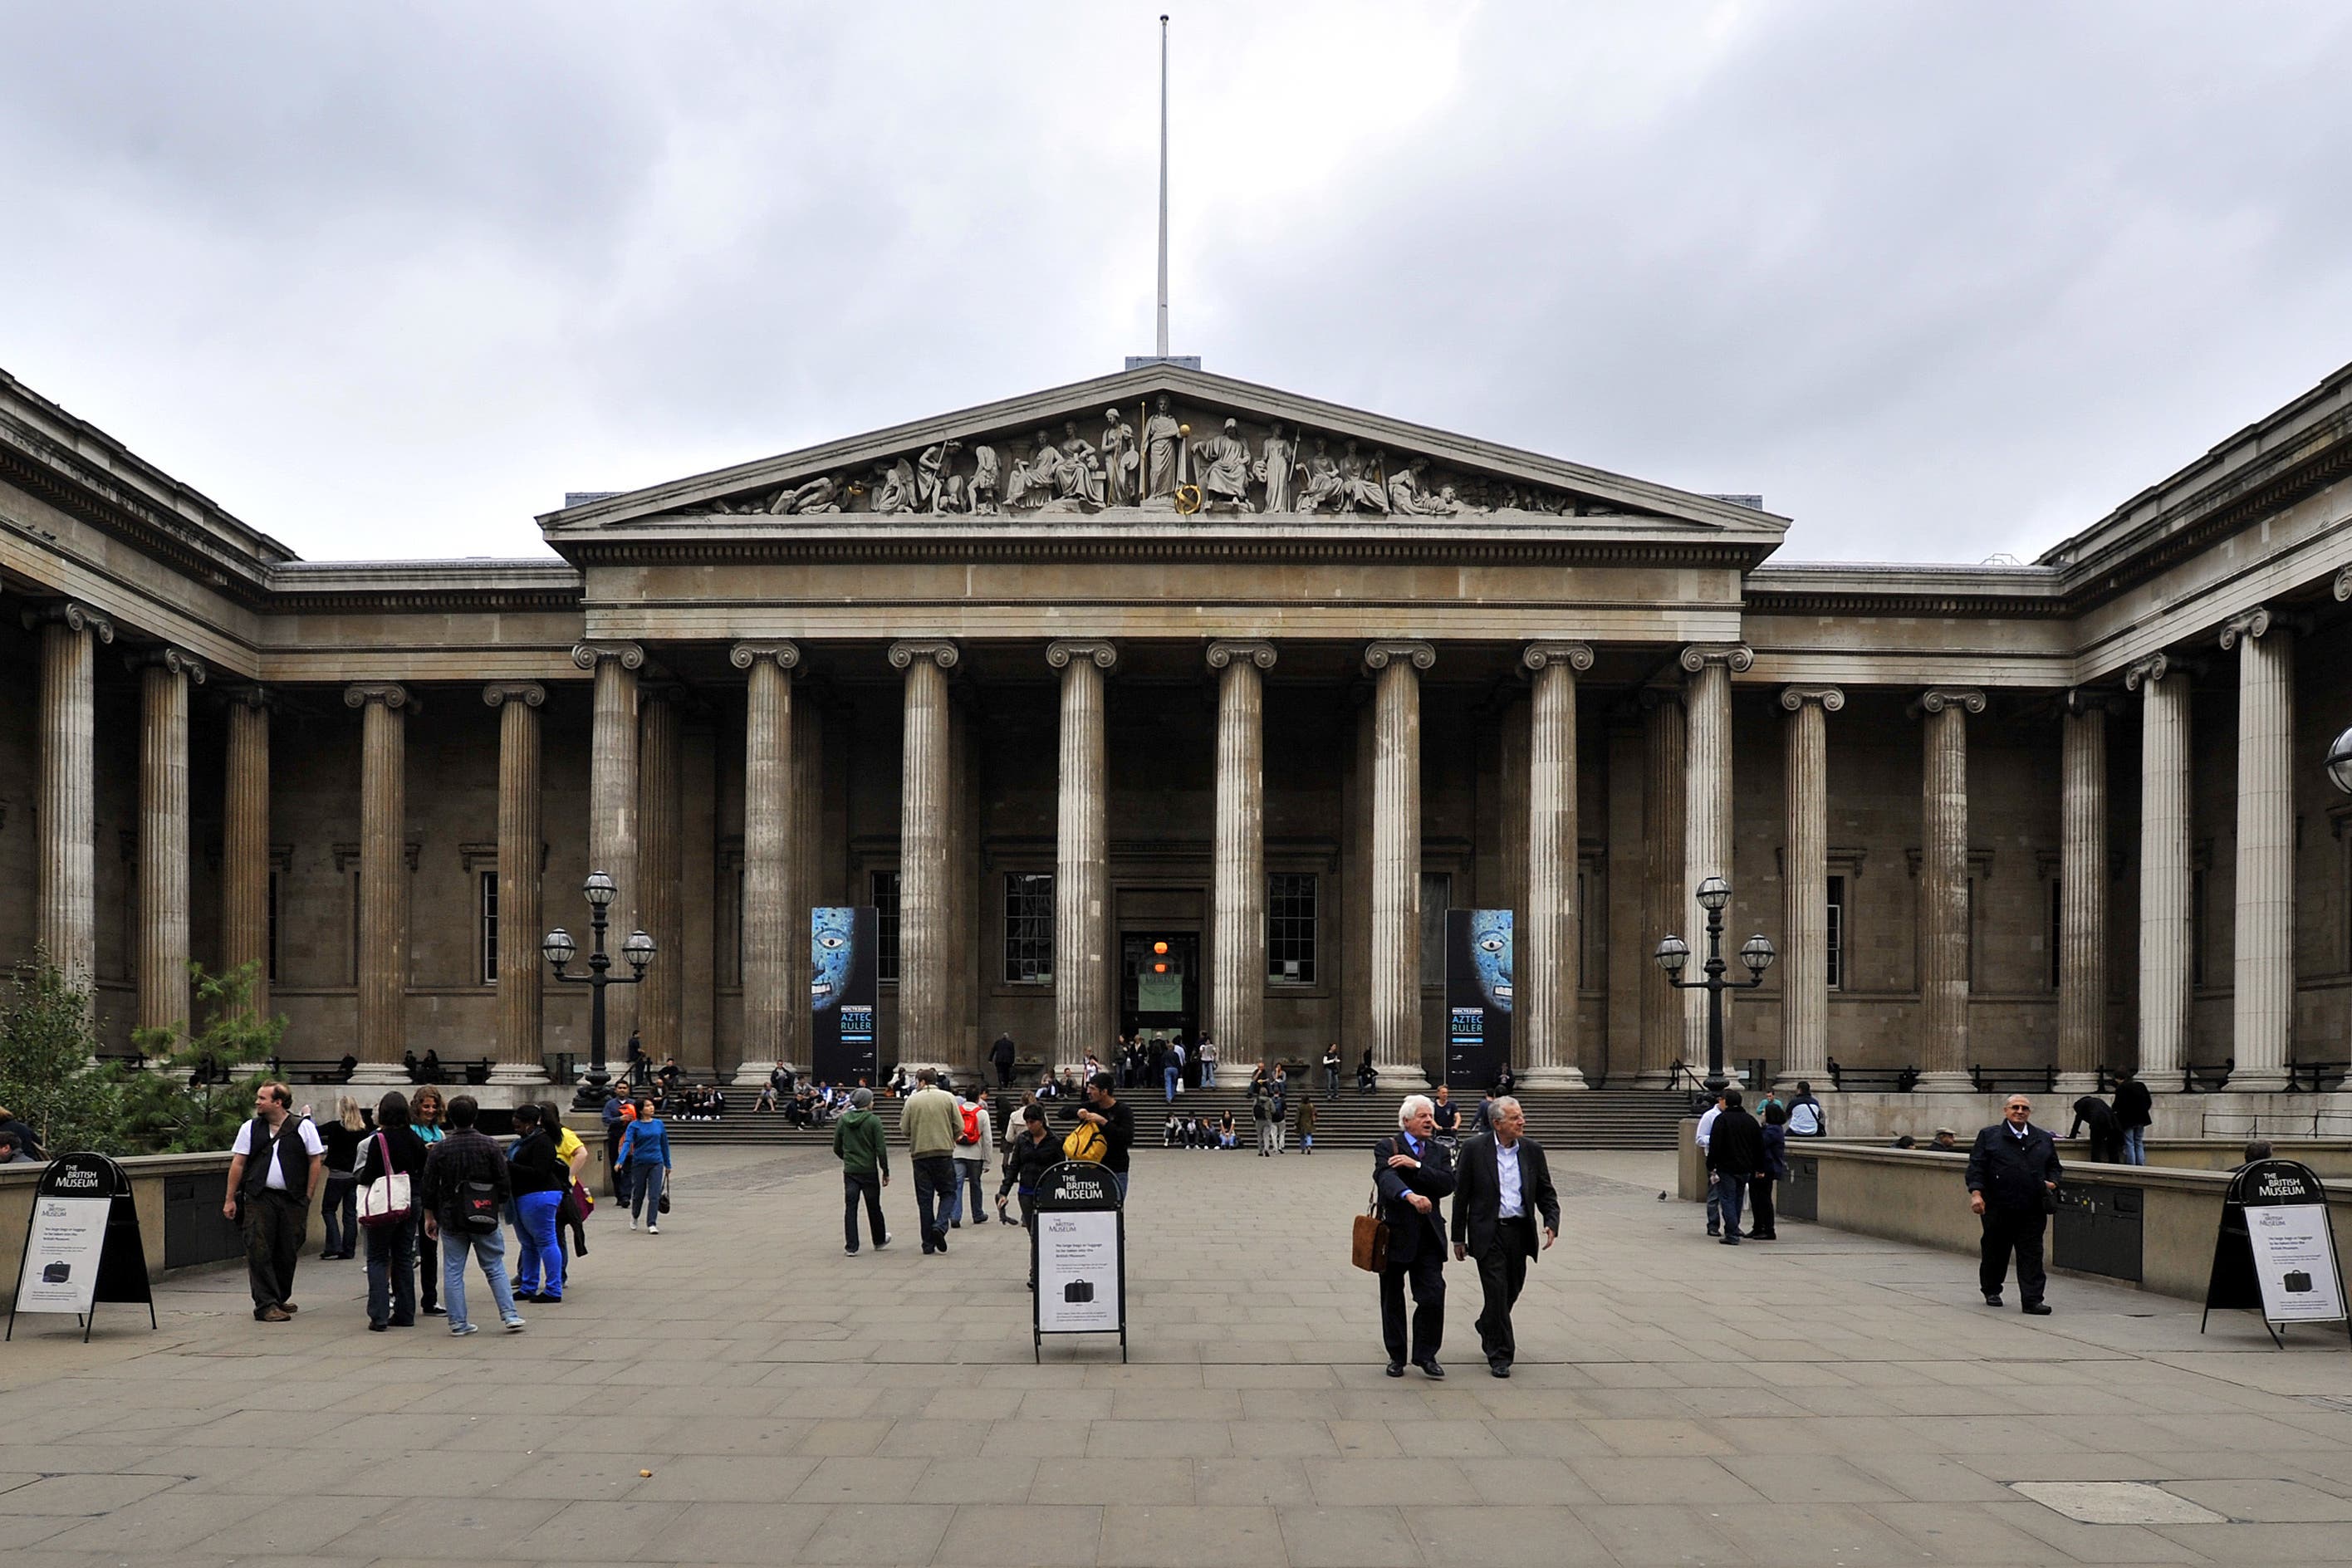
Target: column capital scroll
x,y
530,693
2094,699
1576,656
392,695
179,662
1831,698
588,654
1736,656
938,651
784,656
73,616
1936,698
2258,623
1223,651
2155,668
1062,650
2344,586
1421,654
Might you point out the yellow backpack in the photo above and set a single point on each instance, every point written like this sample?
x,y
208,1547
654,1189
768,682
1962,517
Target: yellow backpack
x,y
1085,1142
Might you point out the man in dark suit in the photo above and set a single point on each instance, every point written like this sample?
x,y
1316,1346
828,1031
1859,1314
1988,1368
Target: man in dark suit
x,y
1412,1173
2012,1171
1502,1185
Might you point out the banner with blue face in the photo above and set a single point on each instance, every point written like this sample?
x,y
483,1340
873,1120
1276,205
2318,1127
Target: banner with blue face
x,y
845,986
1478,995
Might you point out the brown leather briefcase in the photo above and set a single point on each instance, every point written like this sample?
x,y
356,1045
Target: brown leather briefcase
x,y
1370,1253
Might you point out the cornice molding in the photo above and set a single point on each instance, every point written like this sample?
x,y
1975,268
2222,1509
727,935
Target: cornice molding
x,y
1419,655
1829,698
1061,651
1223,651
1576,656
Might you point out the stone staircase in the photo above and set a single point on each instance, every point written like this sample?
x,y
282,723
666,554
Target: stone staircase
x,y
1593,1119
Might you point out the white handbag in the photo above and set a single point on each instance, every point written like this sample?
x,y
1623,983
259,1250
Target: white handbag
x,y
386,1201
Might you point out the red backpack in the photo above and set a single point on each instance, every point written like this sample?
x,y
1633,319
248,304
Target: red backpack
x,y
971,1133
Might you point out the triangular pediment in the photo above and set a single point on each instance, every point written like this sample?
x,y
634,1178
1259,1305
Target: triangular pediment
x,y
1161,440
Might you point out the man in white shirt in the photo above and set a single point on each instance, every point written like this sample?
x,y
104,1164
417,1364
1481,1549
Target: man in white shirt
x,y
274,1166
1502,1185
1706,1135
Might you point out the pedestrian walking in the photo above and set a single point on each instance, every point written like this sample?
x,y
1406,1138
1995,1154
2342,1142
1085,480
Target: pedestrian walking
x,y
1763,1225
424,1117
341,1137
1116,1119
1734,1153
467,1185
645,1152
276,1164
1411,1174
1001,1054
975,1136
1502,1185
2107,1133
1034,1152
863,1146
1280,1090
394,1149
1307,1124
2135,1110
540,1180
572,1213
618,1112
930,1121
2013,1179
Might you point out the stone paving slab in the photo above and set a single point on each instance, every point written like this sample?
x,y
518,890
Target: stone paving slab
x,y
1827,1399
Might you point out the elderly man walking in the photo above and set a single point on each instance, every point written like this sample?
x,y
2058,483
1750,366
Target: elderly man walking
x,y
2012,1178
1411,1172
1502,1185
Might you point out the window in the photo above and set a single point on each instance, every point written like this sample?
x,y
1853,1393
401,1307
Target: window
x,y
2057,910
1436,896
1028,928
1836,928
1291,928
489,906
885,904
269,953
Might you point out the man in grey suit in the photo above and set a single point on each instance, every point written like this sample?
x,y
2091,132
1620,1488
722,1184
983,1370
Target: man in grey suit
x,y
1502,1185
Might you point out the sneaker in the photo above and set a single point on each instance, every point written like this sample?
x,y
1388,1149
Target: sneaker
x,y
633,1222
885,1241
849,1252
434,1311
459,1330
513,1325
653,1230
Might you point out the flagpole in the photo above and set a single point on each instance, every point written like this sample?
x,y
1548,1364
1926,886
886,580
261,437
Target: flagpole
x,y
1163,186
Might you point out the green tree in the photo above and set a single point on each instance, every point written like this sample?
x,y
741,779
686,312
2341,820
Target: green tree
x,y
184,1099
46,1040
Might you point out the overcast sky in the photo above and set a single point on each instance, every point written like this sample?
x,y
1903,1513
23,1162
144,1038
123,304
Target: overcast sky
x,y
1939,281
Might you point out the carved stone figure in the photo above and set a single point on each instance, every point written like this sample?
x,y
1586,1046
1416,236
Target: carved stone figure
x,y
1273,470
1032,484
979,495
1161,435
1122,464
1360,484
1405,496
820,494
1223,465
930,476
1319,480
894,486
1081,478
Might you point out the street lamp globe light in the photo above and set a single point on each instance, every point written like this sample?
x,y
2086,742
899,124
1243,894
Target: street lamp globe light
x,y
2339,761
1713,894
557,947
598,889
638,950
1757,953
1673,953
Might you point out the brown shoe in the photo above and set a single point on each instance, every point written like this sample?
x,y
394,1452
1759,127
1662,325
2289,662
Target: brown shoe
x,y
289,1308
275,1315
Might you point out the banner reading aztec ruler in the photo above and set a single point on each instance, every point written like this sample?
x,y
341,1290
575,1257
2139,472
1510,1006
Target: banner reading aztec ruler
x,y
844,990
1478,957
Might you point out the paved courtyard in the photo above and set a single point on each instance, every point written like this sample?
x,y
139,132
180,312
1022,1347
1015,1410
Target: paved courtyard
x,y
1826,1400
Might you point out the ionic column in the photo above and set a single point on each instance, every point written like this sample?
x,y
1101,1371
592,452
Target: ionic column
x,y
1944,887
164,675
1804,885
2163,874
1664,885
1706,824
2263,1009
612,823
1237,899
771,1008
923,868
383,878
1545,959
804,883
1396,858
65,877
661,999
244,844
1083,1005
2083,892
519,1057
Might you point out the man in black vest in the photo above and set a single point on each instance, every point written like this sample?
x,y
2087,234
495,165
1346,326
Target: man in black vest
x,y
274,1166
2012,1171
1412,1171
1501,1186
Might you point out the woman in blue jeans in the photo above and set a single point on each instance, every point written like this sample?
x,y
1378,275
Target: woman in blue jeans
x,y
644,1154
540,1180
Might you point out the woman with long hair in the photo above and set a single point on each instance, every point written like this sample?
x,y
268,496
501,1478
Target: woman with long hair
x,y
425,1121
393,1148
645,1150
571,1212
341,1136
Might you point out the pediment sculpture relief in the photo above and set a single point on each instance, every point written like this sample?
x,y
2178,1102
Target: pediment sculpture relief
x,y
1156,458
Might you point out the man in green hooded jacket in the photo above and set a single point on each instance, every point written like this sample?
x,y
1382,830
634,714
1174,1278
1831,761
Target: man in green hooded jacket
x,y
859,1143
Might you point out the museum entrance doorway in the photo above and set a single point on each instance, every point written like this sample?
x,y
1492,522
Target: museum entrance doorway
x,y
1160,982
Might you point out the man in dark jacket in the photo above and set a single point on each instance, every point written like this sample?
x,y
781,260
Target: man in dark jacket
x,y
1002,1055
1501,1188
2135,1113
1735,1152
2107,1136
465,1159
1412,1171
860,1144
2012,1171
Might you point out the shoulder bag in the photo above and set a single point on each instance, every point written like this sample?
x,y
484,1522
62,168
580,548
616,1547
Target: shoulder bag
x,y
387,1200
1371,1242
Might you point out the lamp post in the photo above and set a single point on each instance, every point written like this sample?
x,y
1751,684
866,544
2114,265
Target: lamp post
x,y
2339,761
559,947
1755,953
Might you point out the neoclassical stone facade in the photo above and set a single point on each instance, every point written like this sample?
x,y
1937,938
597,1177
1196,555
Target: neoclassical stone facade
x,y
1171,701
